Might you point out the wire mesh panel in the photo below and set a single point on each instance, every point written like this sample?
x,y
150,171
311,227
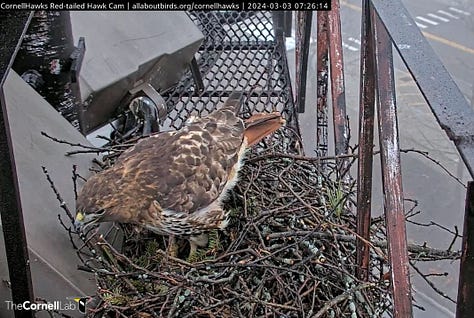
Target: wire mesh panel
x,y
240,52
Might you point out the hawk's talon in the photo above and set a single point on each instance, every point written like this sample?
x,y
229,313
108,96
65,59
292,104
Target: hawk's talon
x,y
193,253
173,247
196,241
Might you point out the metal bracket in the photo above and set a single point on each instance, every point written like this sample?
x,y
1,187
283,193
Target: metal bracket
x,y
155,97
76,59
151,107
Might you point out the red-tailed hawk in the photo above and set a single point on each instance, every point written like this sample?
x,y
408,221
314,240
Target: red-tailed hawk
x,y
173,183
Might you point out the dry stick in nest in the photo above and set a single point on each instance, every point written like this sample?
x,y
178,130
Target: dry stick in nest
x,y
62,203
121,257
436,254
248,265
455,233
140,270
72,144
326,158
119,148
427,156
297,157
342,297
421,251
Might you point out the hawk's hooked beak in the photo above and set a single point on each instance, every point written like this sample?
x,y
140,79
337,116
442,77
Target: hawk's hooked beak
x,y
83,220
79,221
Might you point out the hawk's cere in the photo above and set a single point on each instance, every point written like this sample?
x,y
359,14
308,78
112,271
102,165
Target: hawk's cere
x,y
173,183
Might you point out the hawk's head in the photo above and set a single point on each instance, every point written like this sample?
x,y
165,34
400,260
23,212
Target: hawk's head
x,y
84,219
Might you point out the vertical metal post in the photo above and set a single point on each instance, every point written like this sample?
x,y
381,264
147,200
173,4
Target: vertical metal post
x,y
465,301
322,88
282,22
366,139
391,172
14,26
303,36
341,131
198,82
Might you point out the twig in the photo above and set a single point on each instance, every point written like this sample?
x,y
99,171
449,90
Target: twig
x,y
412,248
431,284
72,144
427,156
341,298
62,204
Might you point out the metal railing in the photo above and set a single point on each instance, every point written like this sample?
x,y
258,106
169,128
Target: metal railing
x,y
387,23
13,27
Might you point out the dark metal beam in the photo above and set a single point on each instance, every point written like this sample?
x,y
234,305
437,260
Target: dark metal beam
x,y
322,88
453,112
366,141
465,302
197,76
13,27
391,172
282,23
303,36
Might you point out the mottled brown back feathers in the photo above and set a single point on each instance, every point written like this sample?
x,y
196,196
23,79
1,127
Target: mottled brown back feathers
x,y
180,176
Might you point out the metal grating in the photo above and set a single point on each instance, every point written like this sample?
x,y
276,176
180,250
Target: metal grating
x,y
240,52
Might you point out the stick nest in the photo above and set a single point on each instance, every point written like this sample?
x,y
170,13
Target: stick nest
x,y
288,251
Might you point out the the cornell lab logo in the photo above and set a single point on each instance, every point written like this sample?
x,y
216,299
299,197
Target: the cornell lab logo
x,y
81,304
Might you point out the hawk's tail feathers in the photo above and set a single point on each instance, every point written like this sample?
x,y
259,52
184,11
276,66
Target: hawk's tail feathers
x,y
261,125
234,102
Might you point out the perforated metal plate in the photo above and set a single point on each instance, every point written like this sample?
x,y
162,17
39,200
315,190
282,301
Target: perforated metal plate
x,y
240,52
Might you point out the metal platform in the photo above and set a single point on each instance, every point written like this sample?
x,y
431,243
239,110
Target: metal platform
x,y
240,52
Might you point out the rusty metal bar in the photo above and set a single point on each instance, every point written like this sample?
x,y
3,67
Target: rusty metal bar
x,y
453,112
322,88
366,140
391,171
465,301
336,62
302,38
14,26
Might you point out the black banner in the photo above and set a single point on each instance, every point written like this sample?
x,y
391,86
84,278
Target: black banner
x,y
276,5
